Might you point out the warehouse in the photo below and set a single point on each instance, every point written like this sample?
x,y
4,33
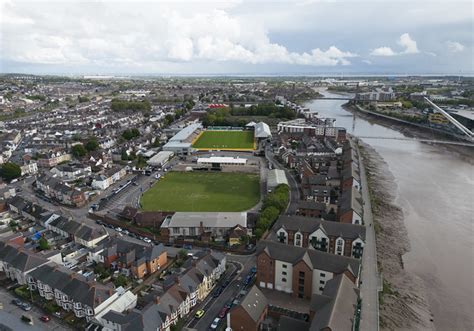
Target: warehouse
x,y
275,178
160,159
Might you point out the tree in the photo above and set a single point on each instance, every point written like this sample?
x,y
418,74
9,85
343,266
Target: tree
x,y
43,244
121,280
79,150
92,145
10,171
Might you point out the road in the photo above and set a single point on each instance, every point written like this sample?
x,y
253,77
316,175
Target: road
x,y
370,279
10,315
212,306
294,187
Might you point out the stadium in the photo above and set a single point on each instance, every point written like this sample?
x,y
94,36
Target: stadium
x,y
195,138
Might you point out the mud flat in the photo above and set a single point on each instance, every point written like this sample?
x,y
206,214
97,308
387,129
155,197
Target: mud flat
x,y
403,301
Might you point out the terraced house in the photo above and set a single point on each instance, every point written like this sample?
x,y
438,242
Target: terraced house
x,y
326,236
175,301
73,292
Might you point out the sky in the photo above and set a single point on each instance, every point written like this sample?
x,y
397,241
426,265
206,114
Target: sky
x,y
307,37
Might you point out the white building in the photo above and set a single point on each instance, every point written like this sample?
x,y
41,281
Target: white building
x,y
160,159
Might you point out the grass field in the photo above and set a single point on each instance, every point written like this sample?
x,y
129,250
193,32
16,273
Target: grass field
x,y
225,140
203,191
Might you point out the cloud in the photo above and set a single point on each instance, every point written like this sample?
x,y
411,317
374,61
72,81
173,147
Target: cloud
x,y
404,41
148,35
454,46
383,51
409,44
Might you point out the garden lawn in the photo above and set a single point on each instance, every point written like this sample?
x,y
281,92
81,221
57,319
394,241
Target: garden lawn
x,y
225,140
203,191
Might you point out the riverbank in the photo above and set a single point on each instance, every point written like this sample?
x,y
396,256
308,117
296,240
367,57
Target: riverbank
x,y
403,301
413,131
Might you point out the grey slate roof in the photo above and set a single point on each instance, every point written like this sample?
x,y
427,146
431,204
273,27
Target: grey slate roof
x,y
310,224
72,284
335,307
351,200
20,258
315,259
254,303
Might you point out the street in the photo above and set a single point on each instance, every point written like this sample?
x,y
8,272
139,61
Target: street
x,y
213,306
10,315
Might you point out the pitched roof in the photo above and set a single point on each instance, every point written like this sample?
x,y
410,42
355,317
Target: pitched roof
x,y
254,303
310,224
335,307
20,258
314,258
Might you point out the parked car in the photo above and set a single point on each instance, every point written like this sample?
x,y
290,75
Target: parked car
x,y
45,318
119,229
200,313
225,283
147,240
223,312
215,323
17,302
229,304
253,270
217,292
26,306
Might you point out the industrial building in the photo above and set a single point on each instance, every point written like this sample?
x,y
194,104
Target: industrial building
x,y
160,159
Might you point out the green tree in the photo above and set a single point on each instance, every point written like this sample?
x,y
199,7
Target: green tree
x,y
10,171
92,145
43,244
79,150
121,280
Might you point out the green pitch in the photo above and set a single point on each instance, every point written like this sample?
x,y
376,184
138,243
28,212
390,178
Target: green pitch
x,y
230,140
203,191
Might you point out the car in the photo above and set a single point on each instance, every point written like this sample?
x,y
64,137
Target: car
x,y
229,304
26,306
126,232
17,302
119,229
217,292
147,240
248,279
223,312
253,270
45,318
135,184
225,283
215,323
200,313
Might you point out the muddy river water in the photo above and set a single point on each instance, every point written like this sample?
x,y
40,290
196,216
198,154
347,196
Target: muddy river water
x,y
435,189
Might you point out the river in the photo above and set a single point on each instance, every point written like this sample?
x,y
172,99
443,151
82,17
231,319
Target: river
x,y
435,191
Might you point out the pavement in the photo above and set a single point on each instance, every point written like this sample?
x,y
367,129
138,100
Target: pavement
x,y
10,315
370,276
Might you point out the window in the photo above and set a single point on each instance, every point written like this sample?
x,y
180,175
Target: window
x,y
301,274
301,288
321,288
176,230
301,281
284,266
322,274
298,239
322,282
283,273
283,280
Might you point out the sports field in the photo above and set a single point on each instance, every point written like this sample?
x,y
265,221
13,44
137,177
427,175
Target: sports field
x,y
203,191
233,140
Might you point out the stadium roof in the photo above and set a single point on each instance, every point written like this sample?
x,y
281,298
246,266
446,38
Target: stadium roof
x,y
262,130
276,177
207,219
222,159
185,132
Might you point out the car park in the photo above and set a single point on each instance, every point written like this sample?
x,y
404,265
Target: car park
x,y
200,313
215,323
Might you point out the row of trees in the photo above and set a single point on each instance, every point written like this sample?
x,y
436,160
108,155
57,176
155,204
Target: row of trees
x,y
124,105
265,109
274,204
